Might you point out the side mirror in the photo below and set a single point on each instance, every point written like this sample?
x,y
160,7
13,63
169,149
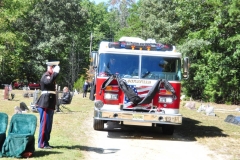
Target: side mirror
x,y
186,68
94,59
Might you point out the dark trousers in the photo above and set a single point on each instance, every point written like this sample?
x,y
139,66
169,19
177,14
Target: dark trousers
x,y
45,128
84,93
59,102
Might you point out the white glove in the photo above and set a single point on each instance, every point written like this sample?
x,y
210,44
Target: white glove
x,y
56,69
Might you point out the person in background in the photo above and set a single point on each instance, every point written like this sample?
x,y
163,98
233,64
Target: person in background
x,y
162,64
65,99
85,88
111,67
46,104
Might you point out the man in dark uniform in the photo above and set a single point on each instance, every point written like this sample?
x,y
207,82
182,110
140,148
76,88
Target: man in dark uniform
x,y
46,103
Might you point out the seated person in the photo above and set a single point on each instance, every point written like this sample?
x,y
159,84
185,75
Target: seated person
x,y
111,67
163,64
65,99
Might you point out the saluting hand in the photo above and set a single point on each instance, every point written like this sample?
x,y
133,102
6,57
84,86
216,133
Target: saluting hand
x,y
56,69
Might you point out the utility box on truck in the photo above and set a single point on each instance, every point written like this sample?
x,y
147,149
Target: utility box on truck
x,y
137,82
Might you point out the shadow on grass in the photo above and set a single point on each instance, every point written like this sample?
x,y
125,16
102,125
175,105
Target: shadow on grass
x,y
98,150
64,111
188,131
15,100
41,153
193,129
69,111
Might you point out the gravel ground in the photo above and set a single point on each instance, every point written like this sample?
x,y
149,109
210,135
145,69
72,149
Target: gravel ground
x,y
140,142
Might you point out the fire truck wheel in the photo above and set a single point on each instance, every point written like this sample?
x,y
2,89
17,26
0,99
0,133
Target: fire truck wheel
x,y
98,124
168,129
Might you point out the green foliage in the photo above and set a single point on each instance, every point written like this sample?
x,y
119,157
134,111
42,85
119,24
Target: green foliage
x,y
159,20
33,31
134,24
213,63
11,42
79,84
99,23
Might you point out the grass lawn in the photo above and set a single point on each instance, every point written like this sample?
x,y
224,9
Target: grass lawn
x,y
66,136
70,141
212,131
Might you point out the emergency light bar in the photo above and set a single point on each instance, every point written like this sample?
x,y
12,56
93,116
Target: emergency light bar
x,y
142,45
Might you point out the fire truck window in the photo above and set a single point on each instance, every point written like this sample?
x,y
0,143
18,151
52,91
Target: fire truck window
x,y
161,68
122,65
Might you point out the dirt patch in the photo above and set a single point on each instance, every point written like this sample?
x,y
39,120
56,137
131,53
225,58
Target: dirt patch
x,y
138,142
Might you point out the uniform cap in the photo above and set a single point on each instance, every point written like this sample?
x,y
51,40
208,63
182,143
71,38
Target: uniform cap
x,y
53,63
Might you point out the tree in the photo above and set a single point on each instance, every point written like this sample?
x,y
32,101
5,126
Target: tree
x,y
11,41
53,30
213,61
159,20
133,26
119,13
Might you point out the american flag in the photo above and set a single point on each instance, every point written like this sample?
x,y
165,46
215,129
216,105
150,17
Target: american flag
x,y
141,91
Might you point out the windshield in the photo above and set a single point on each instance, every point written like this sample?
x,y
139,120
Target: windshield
x,y
136,66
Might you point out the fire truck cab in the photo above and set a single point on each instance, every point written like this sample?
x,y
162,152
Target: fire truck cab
x,y
137,82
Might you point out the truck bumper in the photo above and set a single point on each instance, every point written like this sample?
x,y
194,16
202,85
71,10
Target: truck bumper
x,y
140,117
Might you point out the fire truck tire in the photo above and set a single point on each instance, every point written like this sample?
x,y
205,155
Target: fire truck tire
x,y
168,129
98,124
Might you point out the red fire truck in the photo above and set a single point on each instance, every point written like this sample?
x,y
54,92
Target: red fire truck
x,y
137,82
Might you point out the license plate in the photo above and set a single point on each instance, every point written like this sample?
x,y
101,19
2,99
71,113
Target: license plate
x,y
138,117
172,119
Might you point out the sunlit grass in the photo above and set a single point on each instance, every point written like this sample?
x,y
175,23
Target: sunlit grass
x,y
213,131
67,136
70,140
